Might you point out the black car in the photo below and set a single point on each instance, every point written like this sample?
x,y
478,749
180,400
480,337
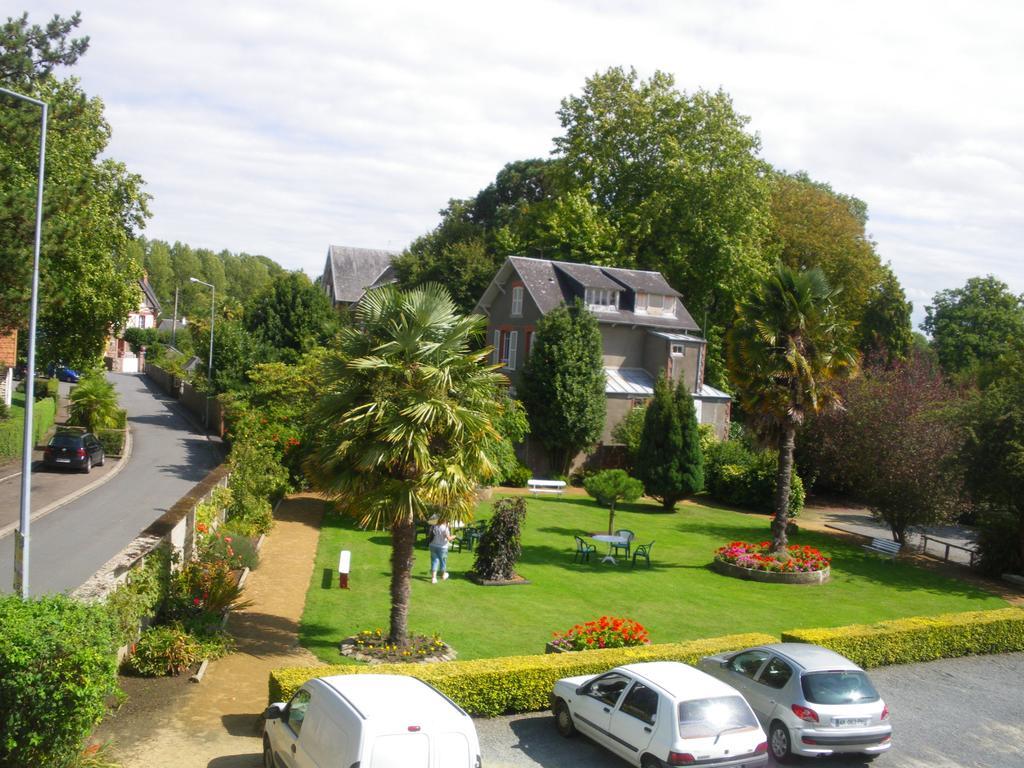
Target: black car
x,y
77,451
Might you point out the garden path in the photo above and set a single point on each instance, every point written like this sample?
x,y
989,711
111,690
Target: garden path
x,y
217,722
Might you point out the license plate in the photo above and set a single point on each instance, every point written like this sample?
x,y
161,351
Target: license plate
x,y
63,461
850,722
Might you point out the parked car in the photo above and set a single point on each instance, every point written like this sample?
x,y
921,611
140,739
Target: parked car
x,y
63,373
661,713
374,721
810,700
74,451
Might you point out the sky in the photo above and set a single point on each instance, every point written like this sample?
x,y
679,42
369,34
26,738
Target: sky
x,y
282,128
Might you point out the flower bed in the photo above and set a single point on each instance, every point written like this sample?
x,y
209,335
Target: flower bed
x,y
605,632
373,646
806,565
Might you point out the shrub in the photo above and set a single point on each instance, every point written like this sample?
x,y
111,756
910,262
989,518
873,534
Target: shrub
x,y
742,477
999,546
171,650
237,551
93,404
499,547
517,477
120,419
629,431
209,512
200,593
112,441
605,632
611,486
491,687
140,596
256,477
922,638
57,664
758,557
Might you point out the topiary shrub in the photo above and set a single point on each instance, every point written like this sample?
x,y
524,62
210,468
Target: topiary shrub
x,y
57,664
609,487
499,547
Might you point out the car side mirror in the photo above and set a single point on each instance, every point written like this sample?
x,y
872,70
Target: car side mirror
x,y
274,712
725,664
581,691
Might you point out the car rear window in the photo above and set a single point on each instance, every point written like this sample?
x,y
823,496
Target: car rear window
x,y
66,441
703,718
842,687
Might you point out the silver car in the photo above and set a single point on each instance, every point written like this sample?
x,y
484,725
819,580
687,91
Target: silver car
x,y
811,701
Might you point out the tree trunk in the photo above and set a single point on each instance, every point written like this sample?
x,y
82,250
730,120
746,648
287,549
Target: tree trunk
x,y
403,539
780,540
611,519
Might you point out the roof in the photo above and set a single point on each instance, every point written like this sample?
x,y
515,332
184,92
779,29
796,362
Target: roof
x,y
393,696
678,336
151,298
681,680
710,393
350,272
813,658
550,283
167,324
628,381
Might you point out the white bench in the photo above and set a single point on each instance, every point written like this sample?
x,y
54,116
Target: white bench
x,y
886,547
545,486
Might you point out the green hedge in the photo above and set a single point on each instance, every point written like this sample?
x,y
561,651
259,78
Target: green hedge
x,y
57,664
491,687
112,441
736,475
921,638
120,419
11,430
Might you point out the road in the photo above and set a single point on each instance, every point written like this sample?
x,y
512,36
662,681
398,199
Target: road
x,y
955,713
71,543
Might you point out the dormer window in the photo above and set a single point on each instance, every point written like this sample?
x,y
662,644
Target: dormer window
x,y
655,304
602,299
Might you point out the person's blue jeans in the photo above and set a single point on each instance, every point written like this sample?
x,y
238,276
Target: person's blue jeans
x,y
438,559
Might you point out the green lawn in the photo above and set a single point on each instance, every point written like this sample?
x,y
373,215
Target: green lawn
x,y
678,598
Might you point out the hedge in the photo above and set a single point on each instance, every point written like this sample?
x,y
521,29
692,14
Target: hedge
x,y
921,638
491,687
11,430
112,441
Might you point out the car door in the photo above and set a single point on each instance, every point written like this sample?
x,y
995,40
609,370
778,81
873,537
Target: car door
x,y
767,692
742,668
633,721
592,710
287,750
94,448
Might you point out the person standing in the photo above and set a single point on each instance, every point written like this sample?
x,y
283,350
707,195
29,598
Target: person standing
x,y
440,537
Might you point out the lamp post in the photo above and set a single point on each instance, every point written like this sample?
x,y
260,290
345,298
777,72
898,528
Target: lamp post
x,y
209,365
21,536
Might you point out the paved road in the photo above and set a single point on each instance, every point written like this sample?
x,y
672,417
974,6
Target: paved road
x,y
168,457
955,713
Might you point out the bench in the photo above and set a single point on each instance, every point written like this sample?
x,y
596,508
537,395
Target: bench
x,y
545,486
886,547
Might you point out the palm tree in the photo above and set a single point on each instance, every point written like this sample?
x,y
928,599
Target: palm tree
x,y
93,403
785,351
402,431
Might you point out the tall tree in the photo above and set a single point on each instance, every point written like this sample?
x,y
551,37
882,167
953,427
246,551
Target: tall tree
x,y
563,383
669,461
786,351
401,430
29,53
884,326
974,325
292,316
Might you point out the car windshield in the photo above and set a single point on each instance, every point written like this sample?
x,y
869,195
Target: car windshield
x,y
841,687
66,441
704,718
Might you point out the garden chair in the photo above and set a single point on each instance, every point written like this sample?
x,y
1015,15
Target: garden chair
x,y
628,535
583,550
644,551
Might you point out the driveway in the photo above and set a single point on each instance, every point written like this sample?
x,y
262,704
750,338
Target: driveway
x,y
169,456
955,713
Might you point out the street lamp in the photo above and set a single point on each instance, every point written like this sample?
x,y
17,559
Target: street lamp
x,y
21,536
209,365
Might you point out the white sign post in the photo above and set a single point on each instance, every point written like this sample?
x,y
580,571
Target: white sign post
x,y
344,564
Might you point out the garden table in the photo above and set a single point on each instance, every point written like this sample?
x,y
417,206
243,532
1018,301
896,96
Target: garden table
x,y
619,541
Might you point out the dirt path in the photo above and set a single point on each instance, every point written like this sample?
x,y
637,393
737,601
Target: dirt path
x,y
216,723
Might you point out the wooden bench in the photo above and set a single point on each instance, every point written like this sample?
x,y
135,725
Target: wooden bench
x,y
886,547
545,486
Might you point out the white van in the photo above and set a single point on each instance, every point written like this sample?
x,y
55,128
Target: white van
x,y
369,721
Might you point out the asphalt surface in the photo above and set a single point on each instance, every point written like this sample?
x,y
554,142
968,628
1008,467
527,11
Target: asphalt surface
x,y
954,713
70,543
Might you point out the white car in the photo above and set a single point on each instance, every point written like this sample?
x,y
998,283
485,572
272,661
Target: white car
x,y
661,713
811,700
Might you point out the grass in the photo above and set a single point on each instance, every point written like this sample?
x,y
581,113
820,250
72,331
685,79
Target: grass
x,y
677,599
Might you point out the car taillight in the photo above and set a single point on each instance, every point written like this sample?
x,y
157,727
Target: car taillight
x,y
80,453
761,748
681,758
885,711
809,715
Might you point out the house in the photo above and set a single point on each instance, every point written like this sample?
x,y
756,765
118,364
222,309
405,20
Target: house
x,y
351,272
8,360
645,329
119,355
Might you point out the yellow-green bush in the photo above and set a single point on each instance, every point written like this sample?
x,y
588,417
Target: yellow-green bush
x,y
492,687
921,638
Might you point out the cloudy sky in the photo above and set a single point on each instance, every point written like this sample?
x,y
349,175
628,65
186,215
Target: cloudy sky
x,y
280,128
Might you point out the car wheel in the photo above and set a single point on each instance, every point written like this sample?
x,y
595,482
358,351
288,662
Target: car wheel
x,y
103,460
563,719
268,754
650,761
88,465
779,744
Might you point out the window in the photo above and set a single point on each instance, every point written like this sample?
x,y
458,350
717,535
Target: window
x,y
642,703
641,301
678,350
748,663
602,299
776,674
510,355
655,302
517,301
608,688
497,347
705,718
297,710
529,344
505,344
847,687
